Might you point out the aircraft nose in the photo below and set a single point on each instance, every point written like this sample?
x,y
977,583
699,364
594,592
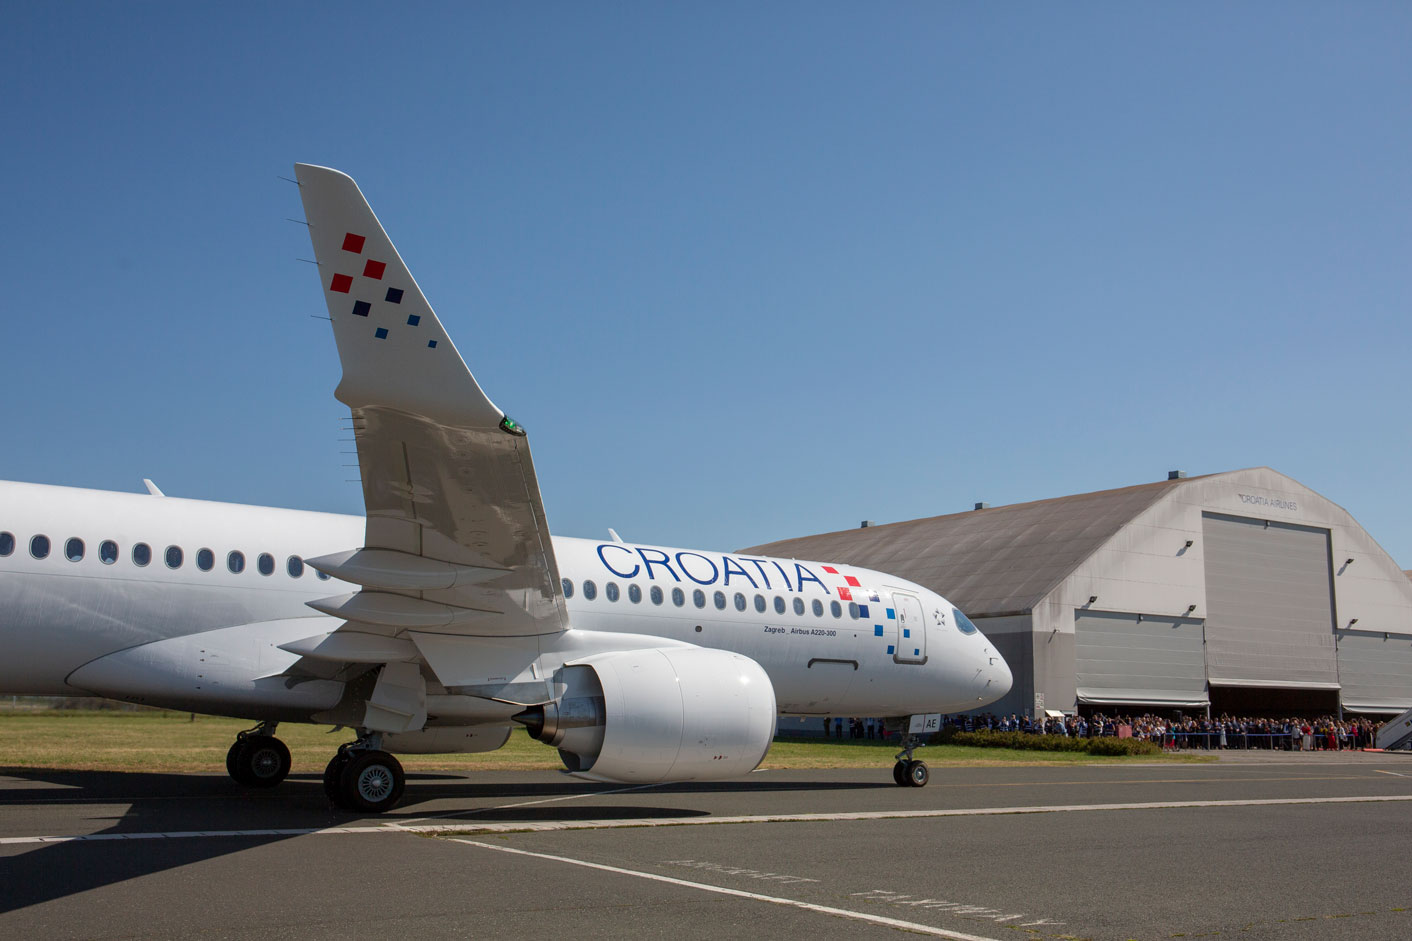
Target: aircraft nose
x,y
998,678
1003,679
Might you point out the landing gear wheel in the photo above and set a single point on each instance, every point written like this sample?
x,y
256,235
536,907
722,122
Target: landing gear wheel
x,y
258,761
899,773
371,781
232,761
917,773
333,773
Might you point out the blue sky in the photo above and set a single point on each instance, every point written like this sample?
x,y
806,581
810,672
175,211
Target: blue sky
x,y
744,271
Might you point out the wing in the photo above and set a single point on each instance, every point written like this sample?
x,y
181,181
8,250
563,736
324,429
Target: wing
x,y
456,539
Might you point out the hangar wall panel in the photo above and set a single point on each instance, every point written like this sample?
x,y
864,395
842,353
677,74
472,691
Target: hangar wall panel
x,y
1376,671
1137,659
1269,603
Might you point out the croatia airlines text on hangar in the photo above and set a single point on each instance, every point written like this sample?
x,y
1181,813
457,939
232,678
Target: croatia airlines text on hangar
x,y
1243,592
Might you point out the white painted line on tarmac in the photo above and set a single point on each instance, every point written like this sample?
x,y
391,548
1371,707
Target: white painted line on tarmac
x,y
415,823
635,822
1395,774
898,923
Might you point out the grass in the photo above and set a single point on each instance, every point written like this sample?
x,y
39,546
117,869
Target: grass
x,y
167,742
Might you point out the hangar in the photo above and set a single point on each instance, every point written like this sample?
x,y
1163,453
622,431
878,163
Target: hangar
x,y
1242,592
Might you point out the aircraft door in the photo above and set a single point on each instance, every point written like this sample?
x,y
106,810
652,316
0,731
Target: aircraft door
x,y
911,629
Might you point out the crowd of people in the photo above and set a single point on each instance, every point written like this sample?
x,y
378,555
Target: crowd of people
x,y
1325,733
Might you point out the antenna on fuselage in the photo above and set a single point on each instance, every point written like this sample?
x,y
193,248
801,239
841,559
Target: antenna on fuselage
x,y
152,488
614,534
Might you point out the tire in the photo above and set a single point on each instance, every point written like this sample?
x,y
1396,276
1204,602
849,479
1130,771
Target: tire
x,y
233,763
333,772
899,773
917,773
263,761
372,782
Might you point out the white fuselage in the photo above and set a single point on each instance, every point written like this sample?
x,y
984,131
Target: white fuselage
x,y
833,639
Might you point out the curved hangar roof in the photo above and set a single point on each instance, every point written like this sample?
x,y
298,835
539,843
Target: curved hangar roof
x,y
1005,560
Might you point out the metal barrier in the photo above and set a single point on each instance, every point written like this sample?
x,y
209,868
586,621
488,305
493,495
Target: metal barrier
x,y
1235,740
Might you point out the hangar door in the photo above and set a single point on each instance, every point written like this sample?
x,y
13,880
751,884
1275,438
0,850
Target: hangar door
x,y
1375,670
1139,659
1269,604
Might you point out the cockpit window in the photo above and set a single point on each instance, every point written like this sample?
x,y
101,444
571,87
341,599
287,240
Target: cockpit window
x,y
963,622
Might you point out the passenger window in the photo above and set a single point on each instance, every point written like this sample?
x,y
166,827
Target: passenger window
x,y
294,566
205,559
760,603
655,594
39,547
799,606
174,557
678,597
818,608
266,564
73,549
720,601
322,576
739,601
610,591
235,561
590,590
836,609
141,554
107,552
7,543
779,605
634,594
568,588
698,598
853,610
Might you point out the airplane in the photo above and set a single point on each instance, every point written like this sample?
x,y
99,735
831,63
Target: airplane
x,y
447,615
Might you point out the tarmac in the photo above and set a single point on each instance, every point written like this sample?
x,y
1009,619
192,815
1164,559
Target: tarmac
x,y
1256,845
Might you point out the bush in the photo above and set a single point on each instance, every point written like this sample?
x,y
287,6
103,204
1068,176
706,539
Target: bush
x,y
951,735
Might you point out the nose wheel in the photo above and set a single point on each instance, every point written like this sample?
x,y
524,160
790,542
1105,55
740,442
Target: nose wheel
x,y
910,772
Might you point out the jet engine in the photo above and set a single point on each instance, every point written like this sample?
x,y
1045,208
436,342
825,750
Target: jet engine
x,y
659,714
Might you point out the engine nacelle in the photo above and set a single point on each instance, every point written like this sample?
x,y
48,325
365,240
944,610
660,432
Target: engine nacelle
x,y
661,714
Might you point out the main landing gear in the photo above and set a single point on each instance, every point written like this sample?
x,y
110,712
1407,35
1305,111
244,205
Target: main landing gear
x,y
908,772
363,777
258,759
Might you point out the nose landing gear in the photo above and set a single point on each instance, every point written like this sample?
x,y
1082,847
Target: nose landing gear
x,y
909,772
258,759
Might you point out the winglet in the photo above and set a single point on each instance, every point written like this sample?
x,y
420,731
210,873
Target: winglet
x,y
152,488
395,352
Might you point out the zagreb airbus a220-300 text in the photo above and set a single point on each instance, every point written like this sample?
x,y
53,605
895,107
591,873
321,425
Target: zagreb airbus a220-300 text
x,y
447,615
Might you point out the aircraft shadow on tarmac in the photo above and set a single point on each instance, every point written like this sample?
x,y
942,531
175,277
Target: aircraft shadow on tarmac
x,y
140,803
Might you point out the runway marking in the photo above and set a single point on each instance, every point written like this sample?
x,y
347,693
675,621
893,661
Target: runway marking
x,y
636,822
898,923
736,871
412,823
1395,774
